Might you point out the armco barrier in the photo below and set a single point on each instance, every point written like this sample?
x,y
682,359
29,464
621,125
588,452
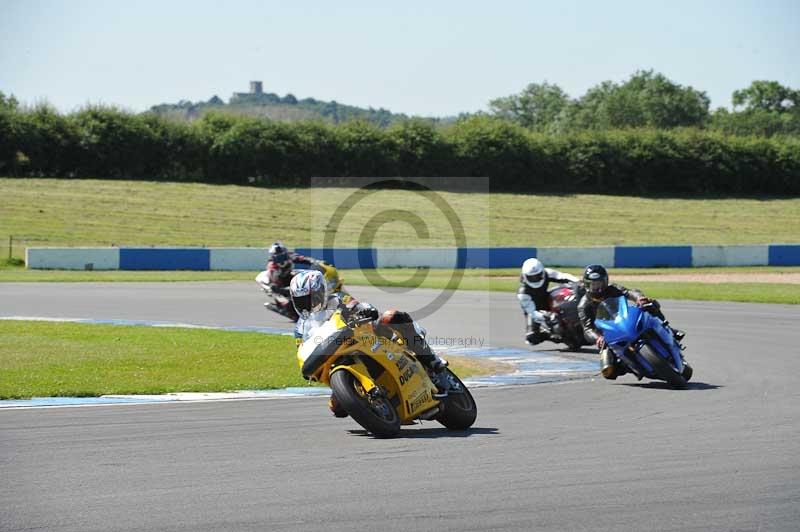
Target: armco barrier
x,y
253,259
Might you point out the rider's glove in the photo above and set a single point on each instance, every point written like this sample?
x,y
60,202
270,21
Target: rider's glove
x,y
601,342
367,312
644,301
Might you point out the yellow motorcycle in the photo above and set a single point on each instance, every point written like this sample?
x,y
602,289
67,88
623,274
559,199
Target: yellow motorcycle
x,y
379,381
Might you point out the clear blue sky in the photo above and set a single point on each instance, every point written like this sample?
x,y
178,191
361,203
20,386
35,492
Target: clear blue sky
x,y
426,58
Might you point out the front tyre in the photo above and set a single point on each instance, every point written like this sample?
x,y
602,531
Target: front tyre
x,y
687,372
375,414
460,409
661,368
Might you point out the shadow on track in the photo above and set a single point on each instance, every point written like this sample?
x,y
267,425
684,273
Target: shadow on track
x,y
658,385
433,432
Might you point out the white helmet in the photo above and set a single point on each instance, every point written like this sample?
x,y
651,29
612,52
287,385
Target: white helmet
x,y
308,292
533,273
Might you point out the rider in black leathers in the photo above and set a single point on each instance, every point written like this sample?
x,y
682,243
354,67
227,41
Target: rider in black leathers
x,y
595,279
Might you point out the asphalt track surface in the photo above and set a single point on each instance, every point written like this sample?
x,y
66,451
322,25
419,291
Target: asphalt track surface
x,y
579,455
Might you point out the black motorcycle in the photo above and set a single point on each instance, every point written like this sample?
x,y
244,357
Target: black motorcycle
x,y
566,328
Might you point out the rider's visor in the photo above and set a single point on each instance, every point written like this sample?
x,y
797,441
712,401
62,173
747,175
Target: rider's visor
x,y
310,303
598,286
535,278
281,259
302,303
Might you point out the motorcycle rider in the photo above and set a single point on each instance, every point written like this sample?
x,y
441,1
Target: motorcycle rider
x,y
280,265
595,280
315,305
534,281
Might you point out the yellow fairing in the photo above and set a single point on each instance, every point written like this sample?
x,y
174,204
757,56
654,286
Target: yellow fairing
x,y
403,377
409,378
334,323
377,361
360,372
331,274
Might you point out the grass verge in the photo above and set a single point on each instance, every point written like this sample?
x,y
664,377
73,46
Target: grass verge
x,y
94,212
44,359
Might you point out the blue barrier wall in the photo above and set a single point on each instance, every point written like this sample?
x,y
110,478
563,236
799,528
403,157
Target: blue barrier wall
x,y
254,259
493,257
652,256
363,258
784,255
164,259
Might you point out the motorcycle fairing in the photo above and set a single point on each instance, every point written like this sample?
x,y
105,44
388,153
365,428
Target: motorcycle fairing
x,y
625,328
374,361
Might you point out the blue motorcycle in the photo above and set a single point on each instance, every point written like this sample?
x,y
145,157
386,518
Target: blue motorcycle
x,y
642,342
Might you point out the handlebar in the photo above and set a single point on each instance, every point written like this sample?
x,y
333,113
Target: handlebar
x,y
355,321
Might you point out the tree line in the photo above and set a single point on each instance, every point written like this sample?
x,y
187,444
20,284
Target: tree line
x,y
649,99
273,106
101,142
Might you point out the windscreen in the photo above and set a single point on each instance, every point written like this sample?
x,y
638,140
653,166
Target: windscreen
x,y
609,308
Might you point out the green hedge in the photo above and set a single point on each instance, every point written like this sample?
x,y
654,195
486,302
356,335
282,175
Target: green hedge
x,y
108,143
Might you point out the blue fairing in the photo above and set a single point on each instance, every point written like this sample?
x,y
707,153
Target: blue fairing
x,y
626,326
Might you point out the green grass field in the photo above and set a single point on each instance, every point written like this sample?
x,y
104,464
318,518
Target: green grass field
x,y
63,212
43,359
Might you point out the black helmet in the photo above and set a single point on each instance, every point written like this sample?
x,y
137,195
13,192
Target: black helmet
x,y
595,280
279,255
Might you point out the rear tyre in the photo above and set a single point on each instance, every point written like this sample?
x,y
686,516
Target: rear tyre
x,y
375,414
661,368
460,410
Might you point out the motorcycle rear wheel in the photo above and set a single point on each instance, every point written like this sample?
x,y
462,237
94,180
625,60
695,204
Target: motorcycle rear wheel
x,y
662,370
460,410
376,415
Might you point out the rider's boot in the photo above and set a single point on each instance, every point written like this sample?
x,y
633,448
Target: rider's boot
x,y
413,336
534,335
440,376
437,366
677,334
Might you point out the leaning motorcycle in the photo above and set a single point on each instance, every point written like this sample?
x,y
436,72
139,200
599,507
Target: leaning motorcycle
x,y
566,328
642,342
280,303
378,381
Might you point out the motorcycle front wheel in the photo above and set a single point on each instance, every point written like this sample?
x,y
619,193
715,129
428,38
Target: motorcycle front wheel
x,y
660,367
460,410
375,414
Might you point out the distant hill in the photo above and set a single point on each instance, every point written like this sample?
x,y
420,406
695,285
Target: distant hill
x,y
286,108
